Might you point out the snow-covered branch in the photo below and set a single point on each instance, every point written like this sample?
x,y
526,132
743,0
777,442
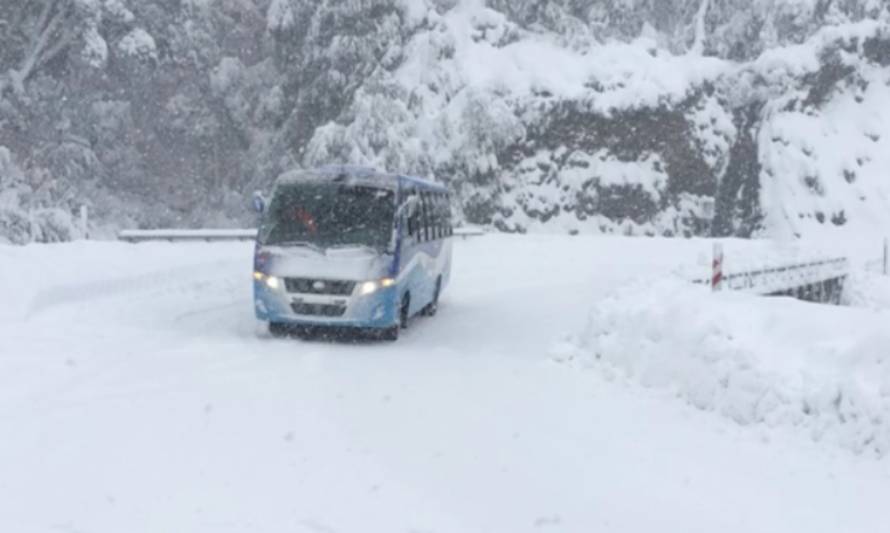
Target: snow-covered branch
x,y
51,30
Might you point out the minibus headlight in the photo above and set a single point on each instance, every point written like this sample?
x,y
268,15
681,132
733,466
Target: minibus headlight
x,y
271,281
370,287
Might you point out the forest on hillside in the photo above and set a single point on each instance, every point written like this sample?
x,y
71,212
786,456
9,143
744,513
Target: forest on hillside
x,y
169,113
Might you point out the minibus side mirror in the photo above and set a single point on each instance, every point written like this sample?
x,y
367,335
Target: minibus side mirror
x,y
408,207
259,202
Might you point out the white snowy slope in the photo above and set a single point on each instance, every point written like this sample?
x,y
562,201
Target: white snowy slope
x,y
137,395
825,170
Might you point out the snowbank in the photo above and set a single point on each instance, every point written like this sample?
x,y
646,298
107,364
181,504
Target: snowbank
x,y
777,362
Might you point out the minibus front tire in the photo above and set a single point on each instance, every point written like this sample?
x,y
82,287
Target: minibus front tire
x,y
405,311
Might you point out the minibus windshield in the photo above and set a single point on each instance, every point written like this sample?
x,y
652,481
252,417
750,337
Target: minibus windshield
x,y
329,215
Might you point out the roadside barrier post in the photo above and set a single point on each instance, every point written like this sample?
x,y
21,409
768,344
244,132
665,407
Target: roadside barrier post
x,y
717,268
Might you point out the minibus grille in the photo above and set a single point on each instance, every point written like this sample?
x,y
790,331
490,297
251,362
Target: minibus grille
x,y
319,309
319,286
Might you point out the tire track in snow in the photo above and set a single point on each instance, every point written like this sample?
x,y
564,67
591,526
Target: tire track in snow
x,y
184,278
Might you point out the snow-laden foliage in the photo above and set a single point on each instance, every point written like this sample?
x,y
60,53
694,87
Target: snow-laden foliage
x,y
735,29
626,116
24,213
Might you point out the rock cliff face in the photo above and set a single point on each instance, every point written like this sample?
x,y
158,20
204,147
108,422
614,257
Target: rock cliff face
x,y
644,117
544,123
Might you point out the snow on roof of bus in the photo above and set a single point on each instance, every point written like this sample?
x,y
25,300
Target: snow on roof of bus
x,y
356,175
423,183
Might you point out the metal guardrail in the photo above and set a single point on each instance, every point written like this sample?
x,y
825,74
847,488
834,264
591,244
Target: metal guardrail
x,y
185,235
219,235
783,278
465,232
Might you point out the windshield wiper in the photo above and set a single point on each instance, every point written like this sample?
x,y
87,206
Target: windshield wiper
x,y
303,244
366,247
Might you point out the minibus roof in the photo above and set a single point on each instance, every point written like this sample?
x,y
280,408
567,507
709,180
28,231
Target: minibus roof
x,y
358,176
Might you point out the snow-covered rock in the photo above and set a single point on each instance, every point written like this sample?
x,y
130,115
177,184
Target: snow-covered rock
x,y
512,117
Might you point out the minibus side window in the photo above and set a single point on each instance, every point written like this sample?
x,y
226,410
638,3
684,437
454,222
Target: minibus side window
x,y
440,219
414,220
434,210
417,226
449,228
443,216
426,216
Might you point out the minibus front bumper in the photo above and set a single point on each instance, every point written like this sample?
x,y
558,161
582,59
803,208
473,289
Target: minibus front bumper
x,y
275,304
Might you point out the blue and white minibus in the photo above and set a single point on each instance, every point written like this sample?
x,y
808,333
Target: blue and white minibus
x,y
345,247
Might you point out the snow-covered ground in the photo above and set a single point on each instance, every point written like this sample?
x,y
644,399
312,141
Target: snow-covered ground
x,y
137,395
777,362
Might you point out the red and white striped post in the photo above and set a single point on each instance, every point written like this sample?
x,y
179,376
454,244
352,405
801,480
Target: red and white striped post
x,y
717,268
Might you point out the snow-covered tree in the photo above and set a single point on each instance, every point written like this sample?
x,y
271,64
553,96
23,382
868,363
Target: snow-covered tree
x,y
167,112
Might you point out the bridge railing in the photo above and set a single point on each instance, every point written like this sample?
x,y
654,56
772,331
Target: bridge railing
x,y
813,279
783,278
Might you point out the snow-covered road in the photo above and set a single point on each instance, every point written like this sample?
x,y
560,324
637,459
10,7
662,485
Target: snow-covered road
x,y
136,395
